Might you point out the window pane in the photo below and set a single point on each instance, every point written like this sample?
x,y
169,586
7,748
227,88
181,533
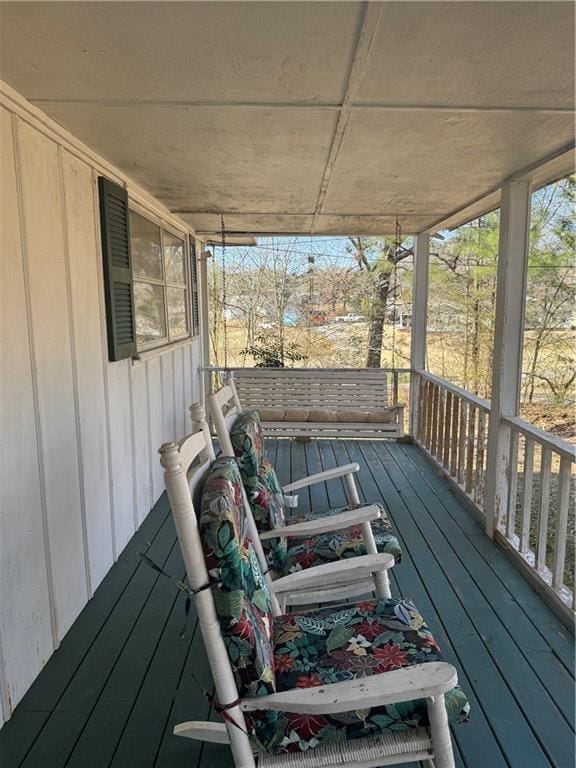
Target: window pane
x,y
174,259
150,316
145,245
177,311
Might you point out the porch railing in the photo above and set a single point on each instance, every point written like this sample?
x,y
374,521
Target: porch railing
x,y
452,426
541,485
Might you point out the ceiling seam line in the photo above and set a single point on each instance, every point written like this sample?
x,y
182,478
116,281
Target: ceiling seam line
x,y
370,24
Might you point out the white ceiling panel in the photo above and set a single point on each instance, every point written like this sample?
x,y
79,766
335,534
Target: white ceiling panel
x,y
430,163
506,54
179,51
208,160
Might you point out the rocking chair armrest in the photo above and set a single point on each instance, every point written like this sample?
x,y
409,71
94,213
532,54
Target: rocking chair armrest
x,y
422,681
329,574
324,524
321,477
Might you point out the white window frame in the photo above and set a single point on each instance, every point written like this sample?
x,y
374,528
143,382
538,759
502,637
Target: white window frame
x,y
165,227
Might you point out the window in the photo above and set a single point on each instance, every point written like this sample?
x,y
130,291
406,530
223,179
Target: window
x,y
161,283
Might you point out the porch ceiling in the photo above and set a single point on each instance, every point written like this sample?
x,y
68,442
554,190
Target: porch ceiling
x,y
312,117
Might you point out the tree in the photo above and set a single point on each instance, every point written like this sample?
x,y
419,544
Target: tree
x,y
549,351
378,257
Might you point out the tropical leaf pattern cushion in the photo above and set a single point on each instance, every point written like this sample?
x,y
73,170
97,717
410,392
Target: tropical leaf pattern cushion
x,y
248,444
343,643
267,503
240,591
336,545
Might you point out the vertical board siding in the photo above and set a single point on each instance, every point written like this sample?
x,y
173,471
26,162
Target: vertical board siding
x,y
120,428
25,624
141,442
156,422
42,216
79,467
83,258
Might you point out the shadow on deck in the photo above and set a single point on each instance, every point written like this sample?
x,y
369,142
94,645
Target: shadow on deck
x,y
110,696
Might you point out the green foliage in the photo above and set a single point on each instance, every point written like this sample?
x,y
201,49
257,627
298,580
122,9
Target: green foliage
x,y
271,351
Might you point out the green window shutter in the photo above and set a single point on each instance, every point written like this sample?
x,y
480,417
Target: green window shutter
x,y
114,225
194,287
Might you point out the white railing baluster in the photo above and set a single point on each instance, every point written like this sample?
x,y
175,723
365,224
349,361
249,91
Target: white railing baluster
x,y
512,485
527,497
545,467
564,480
471,445
447,430
440,444
454,436
462,440
479,473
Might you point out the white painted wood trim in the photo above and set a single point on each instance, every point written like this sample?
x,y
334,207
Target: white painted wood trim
x,y
322,477
325,524
421,681
561,524
478,402
545,439
419,321
508,335
202,730
331,573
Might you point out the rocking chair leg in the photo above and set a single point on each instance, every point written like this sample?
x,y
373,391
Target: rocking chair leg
x,y
441,741
381,581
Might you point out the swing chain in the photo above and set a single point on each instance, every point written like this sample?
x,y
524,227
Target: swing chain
x,y
397,249
224,295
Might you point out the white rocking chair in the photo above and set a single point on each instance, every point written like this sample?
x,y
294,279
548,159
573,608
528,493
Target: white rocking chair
x,y
422,681
225,408
354,580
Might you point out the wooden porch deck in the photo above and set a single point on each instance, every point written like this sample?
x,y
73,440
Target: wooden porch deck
x,y
112,693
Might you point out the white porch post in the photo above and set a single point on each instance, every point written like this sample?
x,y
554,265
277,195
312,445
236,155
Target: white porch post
x,y
206,377
508,334
419,322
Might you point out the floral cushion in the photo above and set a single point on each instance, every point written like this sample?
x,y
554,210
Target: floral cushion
x,y
240,591
336,545
248,444
267,502
350,641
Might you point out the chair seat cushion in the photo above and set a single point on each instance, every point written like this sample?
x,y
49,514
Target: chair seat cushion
x,y
333,644
336,545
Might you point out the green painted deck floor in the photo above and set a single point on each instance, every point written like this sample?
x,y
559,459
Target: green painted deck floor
x,y
122,677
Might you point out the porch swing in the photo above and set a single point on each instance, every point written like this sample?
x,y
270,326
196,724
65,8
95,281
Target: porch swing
x,y
313,402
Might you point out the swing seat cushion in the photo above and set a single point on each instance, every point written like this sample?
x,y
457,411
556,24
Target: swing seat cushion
x,y
333,644
323,415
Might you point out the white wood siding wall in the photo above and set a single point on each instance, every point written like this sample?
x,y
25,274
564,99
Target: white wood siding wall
x,y
79,468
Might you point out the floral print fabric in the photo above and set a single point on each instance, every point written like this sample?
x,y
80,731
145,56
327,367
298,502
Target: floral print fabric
x,y
343,643
267,503
336,545
248,443
240,591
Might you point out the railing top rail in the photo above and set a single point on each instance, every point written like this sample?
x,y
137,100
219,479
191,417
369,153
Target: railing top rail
x,y
479,402
303,370
554,443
